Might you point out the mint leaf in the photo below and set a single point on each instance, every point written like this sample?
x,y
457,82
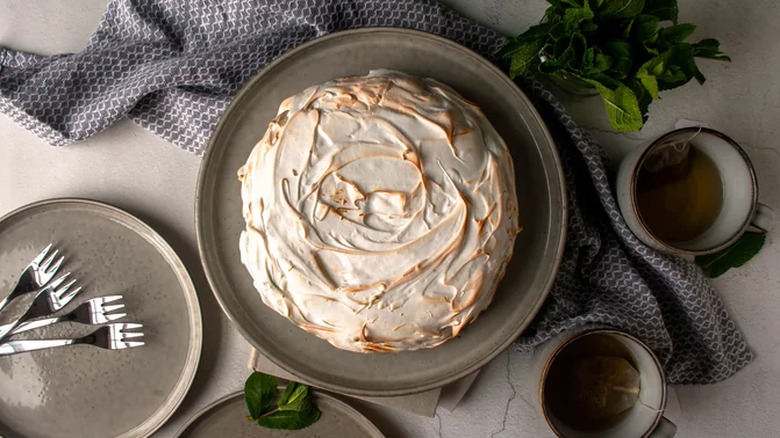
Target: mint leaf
x,y
642,95
533,34
288,390
622,107
589,26
622,58
670,69
572,3
523,58
295,409
565,55
677,33
744,249
523,50
679,67
649,82
291,420
562,5
628,26
572,17
664,10
648,74
259,392
604,80
295,397
594,61
709,48
647,32
620,8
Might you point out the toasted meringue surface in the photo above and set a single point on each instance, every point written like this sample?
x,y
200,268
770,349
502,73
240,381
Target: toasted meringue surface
x,y
380,212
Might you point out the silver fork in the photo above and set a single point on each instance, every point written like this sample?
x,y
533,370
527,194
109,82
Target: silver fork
x,y
53,300
92,312
110,337
57,299
39,305
39,272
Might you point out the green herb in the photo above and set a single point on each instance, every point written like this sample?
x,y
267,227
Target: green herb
x,y
259,392
293,410
619,47
736,255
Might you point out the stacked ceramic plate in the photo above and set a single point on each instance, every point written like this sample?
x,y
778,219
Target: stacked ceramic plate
x,y
84,391
540,195
226,417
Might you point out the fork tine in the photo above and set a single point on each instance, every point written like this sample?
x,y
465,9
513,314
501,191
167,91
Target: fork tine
x,y
130,335
133,344
61,291
68,298
131,325
56,283
114,316
107,299
107,309
48,260
53,269
39,258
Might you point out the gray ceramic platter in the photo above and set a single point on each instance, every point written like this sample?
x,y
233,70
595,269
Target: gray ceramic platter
x,y
227,417
540,189
83,391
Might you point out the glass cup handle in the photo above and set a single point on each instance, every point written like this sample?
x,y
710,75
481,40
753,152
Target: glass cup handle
x,y
763,218
665,429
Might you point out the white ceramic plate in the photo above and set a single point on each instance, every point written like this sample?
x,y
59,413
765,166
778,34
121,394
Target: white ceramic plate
x,y
227,417
83,391
541,199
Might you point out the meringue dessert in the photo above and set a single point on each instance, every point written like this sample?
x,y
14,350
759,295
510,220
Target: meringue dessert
x,y
380,212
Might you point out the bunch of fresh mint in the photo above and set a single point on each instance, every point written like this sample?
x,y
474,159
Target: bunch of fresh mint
x,y
294,410
617,46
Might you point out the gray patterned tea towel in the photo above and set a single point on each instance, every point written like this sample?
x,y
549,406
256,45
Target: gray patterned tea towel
x,y
172,67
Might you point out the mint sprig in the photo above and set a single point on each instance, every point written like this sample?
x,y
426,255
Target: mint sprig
x,y
744,249
620,47
259,392
294,409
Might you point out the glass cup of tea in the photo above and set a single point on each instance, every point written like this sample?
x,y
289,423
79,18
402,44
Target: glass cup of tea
x,y
693,191
600,382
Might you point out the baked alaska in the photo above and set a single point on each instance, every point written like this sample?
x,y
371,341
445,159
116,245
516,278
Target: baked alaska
x,y
380,212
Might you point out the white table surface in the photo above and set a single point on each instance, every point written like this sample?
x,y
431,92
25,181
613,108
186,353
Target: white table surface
x,y
151,178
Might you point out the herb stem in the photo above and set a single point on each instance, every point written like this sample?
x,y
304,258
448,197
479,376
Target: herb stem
x,y
268,414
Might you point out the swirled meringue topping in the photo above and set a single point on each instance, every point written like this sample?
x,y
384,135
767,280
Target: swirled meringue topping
x,y
380,212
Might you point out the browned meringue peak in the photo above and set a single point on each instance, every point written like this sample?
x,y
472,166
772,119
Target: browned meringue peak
x,y
381,212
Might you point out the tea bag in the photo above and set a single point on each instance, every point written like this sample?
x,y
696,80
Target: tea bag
x,y
670,158
678,190
669,154
604,386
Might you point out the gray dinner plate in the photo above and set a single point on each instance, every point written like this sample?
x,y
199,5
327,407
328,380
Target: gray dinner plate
x,y
227,417
84,391
540,191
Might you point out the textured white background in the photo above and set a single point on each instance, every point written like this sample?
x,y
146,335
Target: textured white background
x,y
135,170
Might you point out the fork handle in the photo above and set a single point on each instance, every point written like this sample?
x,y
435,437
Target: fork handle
x,y
31,325
8,299
5,302
15,347
22,287
8,328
